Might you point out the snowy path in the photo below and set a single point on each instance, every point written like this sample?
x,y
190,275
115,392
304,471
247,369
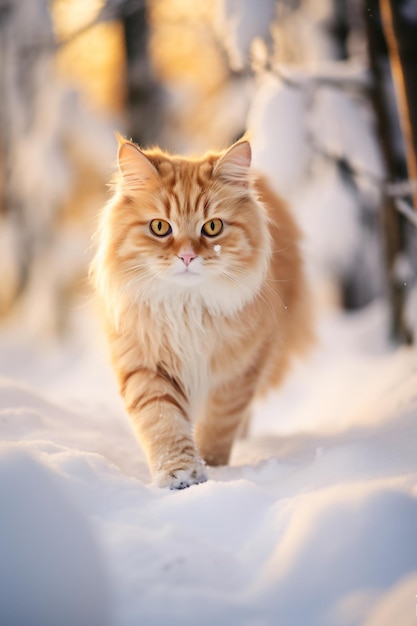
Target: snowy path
x,y
314,523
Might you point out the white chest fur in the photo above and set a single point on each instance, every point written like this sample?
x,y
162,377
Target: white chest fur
x,y
177,337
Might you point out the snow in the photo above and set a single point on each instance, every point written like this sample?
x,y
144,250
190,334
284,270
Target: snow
x,y
237,25
313,522
326,199
342,128
51,567
278,140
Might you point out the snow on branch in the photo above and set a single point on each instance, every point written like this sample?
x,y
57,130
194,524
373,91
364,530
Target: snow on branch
x,y
343,76
401,188
391,189
407,210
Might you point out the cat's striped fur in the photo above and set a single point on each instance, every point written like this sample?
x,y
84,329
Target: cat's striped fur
x,y
198,325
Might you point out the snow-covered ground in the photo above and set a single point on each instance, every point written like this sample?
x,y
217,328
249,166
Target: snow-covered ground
x,y
315,521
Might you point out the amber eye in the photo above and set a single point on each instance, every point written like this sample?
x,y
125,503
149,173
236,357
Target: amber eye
x,y
212,227
160,228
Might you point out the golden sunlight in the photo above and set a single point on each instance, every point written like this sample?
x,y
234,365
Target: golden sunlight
x,y
183,46
94,56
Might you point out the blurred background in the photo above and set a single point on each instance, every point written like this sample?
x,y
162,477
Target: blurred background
x,y
326,88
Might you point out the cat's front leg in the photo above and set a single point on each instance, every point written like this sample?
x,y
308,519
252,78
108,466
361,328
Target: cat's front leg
x,y
158,408
228,409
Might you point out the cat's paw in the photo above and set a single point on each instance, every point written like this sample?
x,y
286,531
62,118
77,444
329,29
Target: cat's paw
x,y
181,478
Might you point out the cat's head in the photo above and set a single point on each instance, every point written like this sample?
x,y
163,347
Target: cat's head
x,y
185,228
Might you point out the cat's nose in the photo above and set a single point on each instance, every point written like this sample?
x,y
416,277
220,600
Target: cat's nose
x,y
187,257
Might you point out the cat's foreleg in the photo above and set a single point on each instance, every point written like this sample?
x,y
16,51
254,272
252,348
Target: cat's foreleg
x,y
228,410
158,409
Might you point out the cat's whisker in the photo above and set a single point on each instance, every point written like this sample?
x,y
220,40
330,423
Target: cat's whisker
x,y
268,280
134,268
273,293
278,280
138,278
138,286
257,295
283,249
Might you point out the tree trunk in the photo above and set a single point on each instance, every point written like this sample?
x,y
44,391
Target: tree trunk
x,y
144,97
401,36
389,131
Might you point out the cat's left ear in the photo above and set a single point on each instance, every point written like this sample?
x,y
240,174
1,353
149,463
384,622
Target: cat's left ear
x,y
136,169
233,167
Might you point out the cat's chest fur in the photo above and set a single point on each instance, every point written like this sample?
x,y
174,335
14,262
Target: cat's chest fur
x,y
204,350
180,338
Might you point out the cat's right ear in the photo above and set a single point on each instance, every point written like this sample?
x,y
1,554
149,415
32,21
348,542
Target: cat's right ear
x,y
233,166
135,168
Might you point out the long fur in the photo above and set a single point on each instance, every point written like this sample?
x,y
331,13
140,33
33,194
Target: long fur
x,y
192,351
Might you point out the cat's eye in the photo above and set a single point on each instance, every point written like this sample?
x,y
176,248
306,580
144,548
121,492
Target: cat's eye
x,y
212,227
160,228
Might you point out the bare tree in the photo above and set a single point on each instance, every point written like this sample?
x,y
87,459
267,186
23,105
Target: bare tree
x,y
144,106
388,120
399,20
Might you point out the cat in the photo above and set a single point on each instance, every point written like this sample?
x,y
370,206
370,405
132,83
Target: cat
x,y
199,272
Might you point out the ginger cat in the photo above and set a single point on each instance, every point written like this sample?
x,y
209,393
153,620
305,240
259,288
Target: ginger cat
x,y
199,272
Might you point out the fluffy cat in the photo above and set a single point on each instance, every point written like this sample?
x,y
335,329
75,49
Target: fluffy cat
x,y
199,272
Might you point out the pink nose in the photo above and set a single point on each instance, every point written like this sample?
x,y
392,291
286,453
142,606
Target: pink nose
x,y
187,257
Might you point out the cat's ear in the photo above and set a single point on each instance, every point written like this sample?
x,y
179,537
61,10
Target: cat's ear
x,y
135,168
233,167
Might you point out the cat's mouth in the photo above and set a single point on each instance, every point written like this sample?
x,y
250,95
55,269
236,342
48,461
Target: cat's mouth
x,y
187,272
186,275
